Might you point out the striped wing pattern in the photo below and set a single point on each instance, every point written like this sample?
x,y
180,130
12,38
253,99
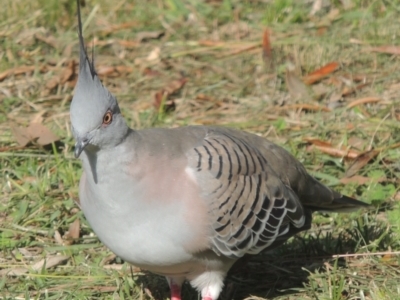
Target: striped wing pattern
x,y
249,205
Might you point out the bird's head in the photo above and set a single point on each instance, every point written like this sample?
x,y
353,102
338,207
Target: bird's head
x,y
96,119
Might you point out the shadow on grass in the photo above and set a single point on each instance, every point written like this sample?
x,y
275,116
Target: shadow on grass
x,y
282,271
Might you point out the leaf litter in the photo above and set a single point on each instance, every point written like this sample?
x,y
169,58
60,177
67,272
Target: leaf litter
x,y
281,105
34,133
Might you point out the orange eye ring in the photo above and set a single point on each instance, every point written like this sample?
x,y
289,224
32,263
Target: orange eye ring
x,y
107,119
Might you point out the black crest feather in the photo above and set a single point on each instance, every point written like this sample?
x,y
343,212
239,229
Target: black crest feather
x,y
83,57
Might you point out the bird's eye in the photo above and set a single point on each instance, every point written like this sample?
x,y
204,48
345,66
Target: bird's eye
x,y
107,119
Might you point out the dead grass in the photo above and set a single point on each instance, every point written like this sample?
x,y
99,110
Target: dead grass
x,y
217,47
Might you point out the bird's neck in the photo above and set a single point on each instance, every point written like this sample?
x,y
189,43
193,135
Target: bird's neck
x,y
99,161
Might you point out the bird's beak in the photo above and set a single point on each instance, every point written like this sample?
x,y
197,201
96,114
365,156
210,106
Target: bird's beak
x,y
79,146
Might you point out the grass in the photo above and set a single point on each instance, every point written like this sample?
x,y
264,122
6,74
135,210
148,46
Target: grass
x,y
343,256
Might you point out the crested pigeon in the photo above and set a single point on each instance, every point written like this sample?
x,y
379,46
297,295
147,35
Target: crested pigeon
x,y
188,202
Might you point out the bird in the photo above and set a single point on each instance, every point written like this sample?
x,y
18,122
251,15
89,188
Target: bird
x,y
188,202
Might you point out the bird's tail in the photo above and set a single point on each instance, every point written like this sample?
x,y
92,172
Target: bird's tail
x,y
339,204
319,197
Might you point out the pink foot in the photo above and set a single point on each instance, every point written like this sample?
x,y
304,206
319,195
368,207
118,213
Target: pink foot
x,y
175,292
175,287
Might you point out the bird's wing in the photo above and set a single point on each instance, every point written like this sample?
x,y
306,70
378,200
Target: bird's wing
x,y
249,205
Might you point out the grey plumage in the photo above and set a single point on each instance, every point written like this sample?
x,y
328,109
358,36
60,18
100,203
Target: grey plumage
x,y
186,202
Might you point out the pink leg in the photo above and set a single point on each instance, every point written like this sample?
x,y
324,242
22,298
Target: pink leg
x,y
175,292
175,287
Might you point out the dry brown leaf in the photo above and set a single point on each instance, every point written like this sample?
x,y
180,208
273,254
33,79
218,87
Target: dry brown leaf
x,y
117,27
8,149
73,232
305,106
123,43
20,70
321,30
162,95
123,69
296,87
35,132
237,29
108,259
101,289
113,71
394,50
149,35
320,90
117,267
121,267
396,197
38,117
128,44
388,258
335,81
50,262
336,152
58,238
355,77
317,142
52,83
317,75
356,142
360,161
42,134
26,37
347,90
357,179
31,251
68,72
49,40
210,43
267,50
175,85
66,75
21,135
327,148
13,272
333,14
317,5
154,55
363,101
150,72
240,50
204,97
25,252
105,70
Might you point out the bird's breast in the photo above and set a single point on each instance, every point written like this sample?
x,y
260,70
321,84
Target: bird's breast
x,y
146,214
